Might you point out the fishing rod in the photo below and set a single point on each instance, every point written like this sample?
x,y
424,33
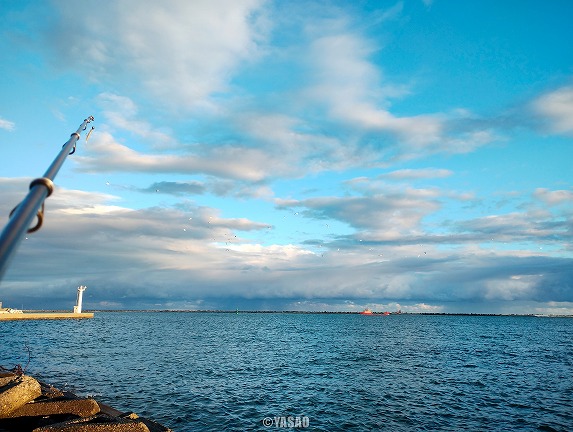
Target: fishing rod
x,y
33,205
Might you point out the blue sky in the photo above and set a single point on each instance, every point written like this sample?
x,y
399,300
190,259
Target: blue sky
x,y
251,154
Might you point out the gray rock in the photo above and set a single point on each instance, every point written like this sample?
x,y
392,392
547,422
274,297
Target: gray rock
x,y
99,423
77,407
18,393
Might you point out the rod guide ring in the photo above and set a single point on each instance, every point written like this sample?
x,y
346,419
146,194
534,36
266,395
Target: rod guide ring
x,y
49,184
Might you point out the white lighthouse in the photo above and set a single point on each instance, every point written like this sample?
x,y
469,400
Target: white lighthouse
x,y
78,306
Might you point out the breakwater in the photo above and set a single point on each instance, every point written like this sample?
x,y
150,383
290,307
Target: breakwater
x,y
44,316
27,404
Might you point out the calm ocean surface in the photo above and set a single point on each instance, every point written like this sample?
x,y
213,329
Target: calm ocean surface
x,y
215,371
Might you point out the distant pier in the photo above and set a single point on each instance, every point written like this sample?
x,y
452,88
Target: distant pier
x,y
8,314
15,316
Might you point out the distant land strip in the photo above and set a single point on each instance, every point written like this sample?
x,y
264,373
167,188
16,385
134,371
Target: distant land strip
x,y
320,312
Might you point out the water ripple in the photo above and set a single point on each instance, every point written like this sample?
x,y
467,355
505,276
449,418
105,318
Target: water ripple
x,y
207,372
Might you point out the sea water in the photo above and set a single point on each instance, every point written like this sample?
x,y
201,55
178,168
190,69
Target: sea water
x,y
319,372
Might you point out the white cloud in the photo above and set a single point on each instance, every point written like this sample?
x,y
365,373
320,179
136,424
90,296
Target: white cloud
x,y
352,88
183,52
534,225
6,124
557,108
413,174
555,308
105,154
391,13
382,216
194,52
423,308
513,288
553,197
121,112
357,98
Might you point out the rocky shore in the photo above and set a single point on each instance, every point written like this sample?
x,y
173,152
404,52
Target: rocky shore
x,y
29,405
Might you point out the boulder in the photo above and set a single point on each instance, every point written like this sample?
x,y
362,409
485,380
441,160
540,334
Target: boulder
x,y
98,423
17,393
76,407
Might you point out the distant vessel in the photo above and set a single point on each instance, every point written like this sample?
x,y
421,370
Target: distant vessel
x,y
367,311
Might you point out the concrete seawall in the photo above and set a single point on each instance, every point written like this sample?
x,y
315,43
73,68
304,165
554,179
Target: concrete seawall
x,y
44,315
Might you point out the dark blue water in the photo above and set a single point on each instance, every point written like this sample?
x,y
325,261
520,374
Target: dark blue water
x,y
213,372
